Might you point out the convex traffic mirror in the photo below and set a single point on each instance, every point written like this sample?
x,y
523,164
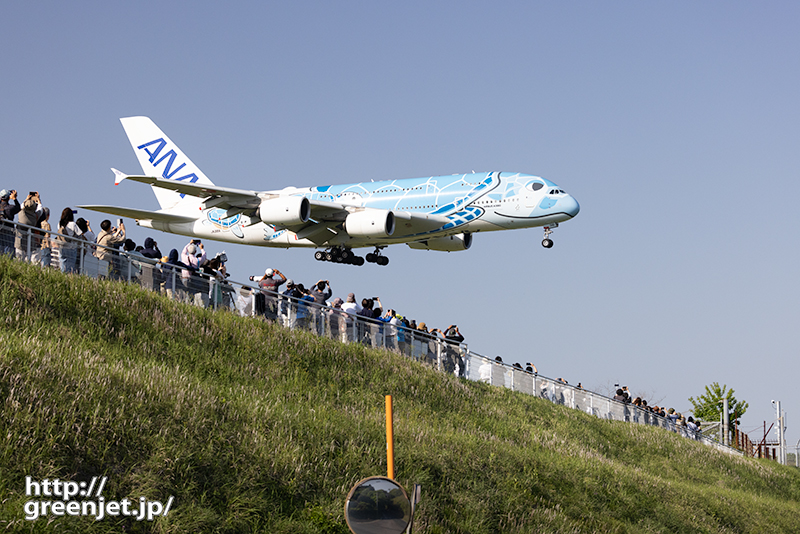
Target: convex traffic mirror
x,y
377,505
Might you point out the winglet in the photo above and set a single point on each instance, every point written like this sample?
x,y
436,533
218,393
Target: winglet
x,y
119,176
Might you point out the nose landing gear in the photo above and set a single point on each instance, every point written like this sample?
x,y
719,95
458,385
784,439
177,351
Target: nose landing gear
x,y
547,242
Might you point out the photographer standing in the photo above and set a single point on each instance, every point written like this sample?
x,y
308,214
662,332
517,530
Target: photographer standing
x,y
110,237
267,300
29,215
321,296
7,213
455,361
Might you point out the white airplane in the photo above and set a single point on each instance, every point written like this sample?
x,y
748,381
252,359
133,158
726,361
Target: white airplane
x,y
436,213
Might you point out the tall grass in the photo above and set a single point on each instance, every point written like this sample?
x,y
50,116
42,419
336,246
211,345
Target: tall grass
x,y
256,429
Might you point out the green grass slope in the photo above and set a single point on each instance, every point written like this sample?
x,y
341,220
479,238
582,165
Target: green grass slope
x,y
253,428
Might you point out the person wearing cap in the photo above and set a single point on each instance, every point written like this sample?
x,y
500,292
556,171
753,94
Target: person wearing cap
x,y
351,307
288,303
337,320
193,256
270,285
9,207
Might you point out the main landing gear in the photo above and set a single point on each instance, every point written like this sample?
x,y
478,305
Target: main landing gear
x,y
346,255
376,257
339,255
547,242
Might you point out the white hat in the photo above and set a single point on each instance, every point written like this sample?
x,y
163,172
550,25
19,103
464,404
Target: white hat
x,y
269,272
5,193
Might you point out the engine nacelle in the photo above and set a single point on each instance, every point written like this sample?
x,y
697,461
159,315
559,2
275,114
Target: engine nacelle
x,y
285,211
450,243
370,223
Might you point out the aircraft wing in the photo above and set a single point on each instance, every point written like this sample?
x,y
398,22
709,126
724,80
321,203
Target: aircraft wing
x,y
139,214
324,215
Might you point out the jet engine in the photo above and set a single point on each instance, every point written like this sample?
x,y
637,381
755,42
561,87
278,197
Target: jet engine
x,y
285,211
370,223
450,243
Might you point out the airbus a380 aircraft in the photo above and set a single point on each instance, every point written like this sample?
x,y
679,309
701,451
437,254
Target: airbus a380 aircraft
x,y
436,213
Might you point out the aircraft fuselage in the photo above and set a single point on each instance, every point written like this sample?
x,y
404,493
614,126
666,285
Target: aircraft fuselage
x,y
475,202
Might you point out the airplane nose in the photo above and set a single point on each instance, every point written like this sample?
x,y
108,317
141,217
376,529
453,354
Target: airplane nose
x,y
569,206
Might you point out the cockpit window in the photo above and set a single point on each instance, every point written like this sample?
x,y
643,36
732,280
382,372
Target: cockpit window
x,y
557,192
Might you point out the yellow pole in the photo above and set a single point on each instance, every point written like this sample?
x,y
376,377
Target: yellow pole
x,y
389,438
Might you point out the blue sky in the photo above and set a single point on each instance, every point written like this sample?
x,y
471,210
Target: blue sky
x,y
674,125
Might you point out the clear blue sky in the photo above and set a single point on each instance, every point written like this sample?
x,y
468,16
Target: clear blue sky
x,y
674,125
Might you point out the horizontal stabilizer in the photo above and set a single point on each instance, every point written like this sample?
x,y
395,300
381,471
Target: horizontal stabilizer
x,y
133,213
228,196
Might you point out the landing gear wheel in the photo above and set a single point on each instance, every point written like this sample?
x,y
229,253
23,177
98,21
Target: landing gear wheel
x,y
372,257
547,243
319,255
328,256
382,260
346,255
358,260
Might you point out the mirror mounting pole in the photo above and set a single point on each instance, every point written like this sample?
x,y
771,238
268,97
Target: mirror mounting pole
x,y
389,438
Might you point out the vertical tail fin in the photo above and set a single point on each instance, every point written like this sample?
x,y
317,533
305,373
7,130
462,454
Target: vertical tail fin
x,y
159,156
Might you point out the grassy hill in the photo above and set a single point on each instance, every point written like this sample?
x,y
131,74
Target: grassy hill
x,y
253,428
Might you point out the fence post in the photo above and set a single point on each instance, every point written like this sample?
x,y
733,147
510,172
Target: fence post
x,y
28,246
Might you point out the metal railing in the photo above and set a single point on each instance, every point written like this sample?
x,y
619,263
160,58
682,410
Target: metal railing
x,y
216,292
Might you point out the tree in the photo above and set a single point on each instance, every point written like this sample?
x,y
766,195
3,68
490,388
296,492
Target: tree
x,y
708,407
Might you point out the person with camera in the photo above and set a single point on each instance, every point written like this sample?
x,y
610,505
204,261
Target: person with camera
x,y
288,303
109,239
321,296
9,207
193,256
454,361
267,300
27,240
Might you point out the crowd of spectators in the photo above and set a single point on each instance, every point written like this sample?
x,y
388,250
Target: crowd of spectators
x,y
623,395
75,247
191,276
